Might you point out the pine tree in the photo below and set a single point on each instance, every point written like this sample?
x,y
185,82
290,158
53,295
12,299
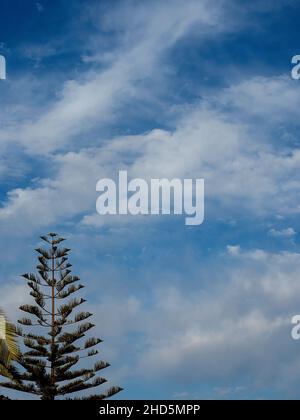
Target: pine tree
x,y
48,365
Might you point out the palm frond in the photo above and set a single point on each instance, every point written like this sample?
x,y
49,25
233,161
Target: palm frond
x,y
8,343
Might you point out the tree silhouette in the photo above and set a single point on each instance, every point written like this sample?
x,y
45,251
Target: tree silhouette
x,y
48,365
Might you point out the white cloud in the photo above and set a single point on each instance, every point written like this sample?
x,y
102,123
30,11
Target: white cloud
x,y
233,249
94,99
235,332
241,175
284,233
272,99
14,295
241,329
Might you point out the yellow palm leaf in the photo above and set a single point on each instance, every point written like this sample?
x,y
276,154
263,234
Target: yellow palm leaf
x,y
8,344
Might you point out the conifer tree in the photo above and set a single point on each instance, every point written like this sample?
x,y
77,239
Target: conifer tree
x,y
48,367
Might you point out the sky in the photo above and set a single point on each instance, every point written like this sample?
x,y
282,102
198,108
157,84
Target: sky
x,y
173,89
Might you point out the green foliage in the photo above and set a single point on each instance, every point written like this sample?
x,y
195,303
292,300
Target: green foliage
x,y
47,365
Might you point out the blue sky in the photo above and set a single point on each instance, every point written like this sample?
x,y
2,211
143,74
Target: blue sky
x,y
161,89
